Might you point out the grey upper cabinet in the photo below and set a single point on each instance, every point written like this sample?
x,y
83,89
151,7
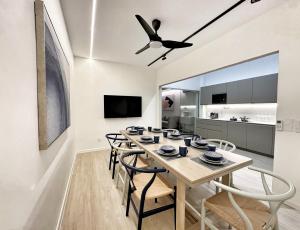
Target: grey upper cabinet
x,y
265,89
236,133
239,92
260,138
206,95
254,90
220,88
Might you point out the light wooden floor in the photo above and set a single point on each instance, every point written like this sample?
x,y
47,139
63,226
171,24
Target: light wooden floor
x,y
94,203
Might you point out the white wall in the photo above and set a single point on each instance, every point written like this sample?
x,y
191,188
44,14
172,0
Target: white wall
x,y
32,182
276,30
92,80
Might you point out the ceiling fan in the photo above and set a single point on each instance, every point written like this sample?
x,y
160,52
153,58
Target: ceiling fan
x,y
155,40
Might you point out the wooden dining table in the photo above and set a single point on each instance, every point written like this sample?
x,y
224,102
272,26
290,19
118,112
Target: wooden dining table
x,y
187,171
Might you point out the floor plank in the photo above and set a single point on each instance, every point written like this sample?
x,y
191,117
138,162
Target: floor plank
x,y
94,202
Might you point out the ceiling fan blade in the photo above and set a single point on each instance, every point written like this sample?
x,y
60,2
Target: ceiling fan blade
x,y
143,49
175,45
146,27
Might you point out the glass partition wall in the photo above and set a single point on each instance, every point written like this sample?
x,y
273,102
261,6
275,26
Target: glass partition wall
x,y
179,109
236,103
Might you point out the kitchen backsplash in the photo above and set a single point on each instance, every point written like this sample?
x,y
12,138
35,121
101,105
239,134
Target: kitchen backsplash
x,y
261,113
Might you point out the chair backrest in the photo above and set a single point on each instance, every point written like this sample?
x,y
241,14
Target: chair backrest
x,y
130,166
117,147
113,137
225,145
274,200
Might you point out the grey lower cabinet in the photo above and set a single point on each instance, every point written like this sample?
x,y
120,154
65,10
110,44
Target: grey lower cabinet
x,y
239,92
211,129
265,89
201,132
260,138
236,133
253,137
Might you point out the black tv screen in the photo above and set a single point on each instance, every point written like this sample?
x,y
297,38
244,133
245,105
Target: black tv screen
x,y
122,106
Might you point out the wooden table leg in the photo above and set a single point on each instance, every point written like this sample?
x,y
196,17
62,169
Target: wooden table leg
x,y
180,205
225,180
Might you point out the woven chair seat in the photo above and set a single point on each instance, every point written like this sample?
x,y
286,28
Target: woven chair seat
x,y
258,213
158,189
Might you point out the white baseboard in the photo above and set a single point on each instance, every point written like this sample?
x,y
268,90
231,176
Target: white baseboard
x,y
64,202
92,150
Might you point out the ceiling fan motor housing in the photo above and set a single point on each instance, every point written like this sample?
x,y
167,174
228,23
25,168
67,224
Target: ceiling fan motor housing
x,y
155,44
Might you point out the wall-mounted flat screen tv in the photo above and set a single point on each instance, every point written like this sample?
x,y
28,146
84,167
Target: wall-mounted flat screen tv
x,y
122,106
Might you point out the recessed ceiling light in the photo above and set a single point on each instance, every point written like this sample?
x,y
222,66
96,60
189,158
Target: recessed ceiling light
x,y
94,6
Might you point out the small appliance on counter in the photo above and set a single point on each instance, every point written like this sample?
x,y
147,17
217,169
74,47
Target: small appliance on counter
x,y
244,119
233,118
214,115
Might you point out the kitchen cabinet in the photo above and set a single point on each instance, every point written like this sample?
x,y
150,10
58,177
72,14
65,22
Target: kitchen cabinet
x,y
201,132
239,92
265,89
206,95
260,138
251,136
255,90
236,133
220,88
211,129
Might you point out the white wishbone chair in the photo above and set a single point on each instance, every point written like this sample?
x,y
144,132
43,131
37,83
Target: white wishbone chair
x,y
225,145
244,210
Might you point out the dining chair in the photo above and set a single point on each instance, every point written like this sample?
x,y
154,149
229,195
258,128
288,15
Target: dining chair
x,y
244,210
145,185
223,144
141,163
112,138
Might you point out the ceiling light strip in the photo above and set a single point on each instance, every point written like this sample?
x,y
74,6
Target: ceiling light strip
x,y
94,6
202,28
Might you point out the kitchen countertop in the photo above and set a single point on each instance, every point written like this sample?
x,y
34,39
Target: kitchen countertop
x,y
249,122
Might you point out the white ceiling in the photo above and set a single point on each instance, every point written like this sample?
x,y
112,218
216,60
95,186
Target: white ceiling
x,y
118,35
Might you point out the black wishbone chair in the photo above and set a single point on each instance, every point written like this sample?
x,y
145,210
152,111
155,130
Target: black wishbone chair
x,y
112,138
145,185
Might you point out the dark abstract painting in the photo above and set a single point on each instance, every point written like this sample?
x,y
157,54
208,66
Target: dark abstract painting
x,y
53,76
